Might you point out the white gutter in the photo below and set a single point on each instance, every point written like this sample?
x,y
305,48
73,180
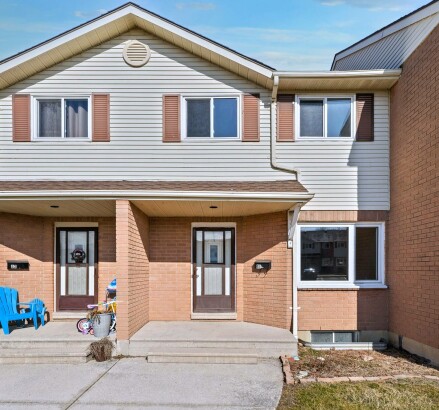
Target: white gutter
x,y
162,195
273,160
364,74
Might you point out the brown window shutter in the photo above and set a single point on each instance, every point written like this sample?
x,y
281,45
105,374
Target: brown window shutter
x,y
285,117
101,117
171,118
365,117
250,118
21,118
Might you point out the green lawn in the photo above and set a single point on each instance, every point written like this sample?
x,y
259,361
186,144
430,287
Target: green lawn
x,y
412,394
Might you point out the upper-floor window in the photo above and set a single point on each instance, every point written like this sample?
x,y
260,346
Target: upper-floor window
x,y
211,117
325,117
67,117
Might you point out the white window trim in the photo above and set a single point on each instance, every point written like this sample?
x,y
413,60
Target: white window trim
x,y
352,97
183,122
35,117
351,283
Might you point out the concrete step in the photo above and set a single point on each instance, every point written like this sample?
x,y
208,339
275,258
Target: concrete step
x,y
68,315
66,344
39,356
201,357
235,348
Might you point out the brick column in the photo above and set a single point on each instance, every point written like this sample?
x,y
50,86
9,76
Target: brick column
x,y
132,231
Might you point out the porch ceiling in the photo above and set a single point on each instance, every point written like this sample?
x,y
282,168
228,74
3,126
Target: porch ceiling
x,y
167,208
153,208
72,208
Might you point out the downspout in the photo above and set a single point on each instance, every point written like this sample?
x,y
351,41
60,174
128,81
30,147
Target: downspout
x,y
293,213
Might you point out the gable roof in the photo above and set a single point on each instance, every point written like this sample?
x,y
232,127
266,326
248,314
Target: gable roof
x,y
390,46
117,22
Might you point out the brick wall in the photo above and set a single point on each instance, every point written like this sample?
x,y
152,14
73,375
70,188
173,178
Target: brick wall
x,y
267,297
332,309
263,299
414,230
343,309
32,238
132,243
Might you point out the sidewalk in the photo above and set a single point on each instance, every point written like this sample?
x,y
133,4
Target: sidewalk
x,y
136,384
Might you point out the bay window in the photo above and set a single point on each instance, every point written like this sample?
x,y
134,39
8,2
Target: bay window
x,y
345,255
62,118
325,117
211,117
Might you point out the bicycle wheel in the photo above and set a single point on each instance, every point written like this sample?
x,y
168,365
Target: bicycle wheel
x,y
83,325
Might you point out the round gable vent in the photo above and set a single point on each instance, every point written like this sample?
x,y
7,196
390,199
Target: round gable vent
x,y
136,54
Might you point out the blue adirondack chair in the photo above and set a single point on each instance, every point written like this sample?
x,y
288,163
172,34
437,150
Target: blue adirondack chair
x,y
9,309
40,310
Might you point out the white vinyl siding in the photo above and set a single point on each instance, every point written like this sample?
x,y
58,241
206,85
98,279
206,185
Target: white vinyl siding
x,y
344,175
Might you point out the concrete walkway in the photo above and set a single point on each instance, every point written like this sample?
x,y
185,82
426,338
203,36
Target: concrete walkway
x,y
137,384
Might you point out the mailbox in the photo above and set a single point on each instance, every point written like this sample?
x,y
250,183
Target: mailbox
x,y
262,266
18,265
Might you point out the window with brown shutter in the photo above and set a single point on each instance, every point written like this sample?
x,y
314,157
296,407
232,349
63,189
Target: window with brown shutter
x,y
365,117
285,117
21,118
250,120
171,118
101,117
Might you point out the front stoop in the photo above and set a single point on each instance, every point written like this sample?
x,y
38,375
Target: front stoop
x,y
44,351
210,342
55,342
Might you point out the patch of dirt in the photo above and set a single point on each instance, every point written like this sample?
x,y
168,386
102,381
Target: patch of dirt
x,y
339,363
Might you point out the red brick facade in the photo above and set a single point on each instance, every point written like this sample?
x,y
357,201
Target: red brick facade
x,y
154,274
32,238
414,229
364,309
264,299
132,244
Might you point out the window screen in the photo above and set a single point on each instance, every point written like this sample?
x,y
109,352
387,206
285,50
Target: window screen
x,y
311,118
198,118
49,118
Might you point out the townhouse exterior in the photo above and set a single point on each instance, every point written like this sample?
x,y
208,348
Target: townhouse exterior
x,y
413,252
212,186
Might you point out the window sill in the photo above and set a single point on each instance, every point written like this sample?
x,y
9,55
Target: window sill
x,y
213,140
63,140
342,286
320,139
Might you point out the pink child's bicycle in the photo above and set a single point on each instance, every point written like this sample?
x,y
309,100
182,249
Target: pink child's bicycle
x,y
85,325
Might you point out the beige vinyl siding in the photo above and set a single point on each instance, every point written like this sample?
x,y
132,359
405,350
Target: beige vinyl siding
x,y
336,171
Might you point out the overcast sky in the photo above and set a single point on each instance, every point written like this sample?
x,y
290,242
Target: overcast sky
x,y
285,34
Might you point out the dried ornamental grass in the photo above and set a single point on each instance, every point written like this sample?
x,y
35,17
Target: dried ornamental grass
x,y
102,349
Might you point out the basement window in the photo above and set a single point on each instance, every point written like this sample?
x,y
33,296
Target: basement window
x,y
333,337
